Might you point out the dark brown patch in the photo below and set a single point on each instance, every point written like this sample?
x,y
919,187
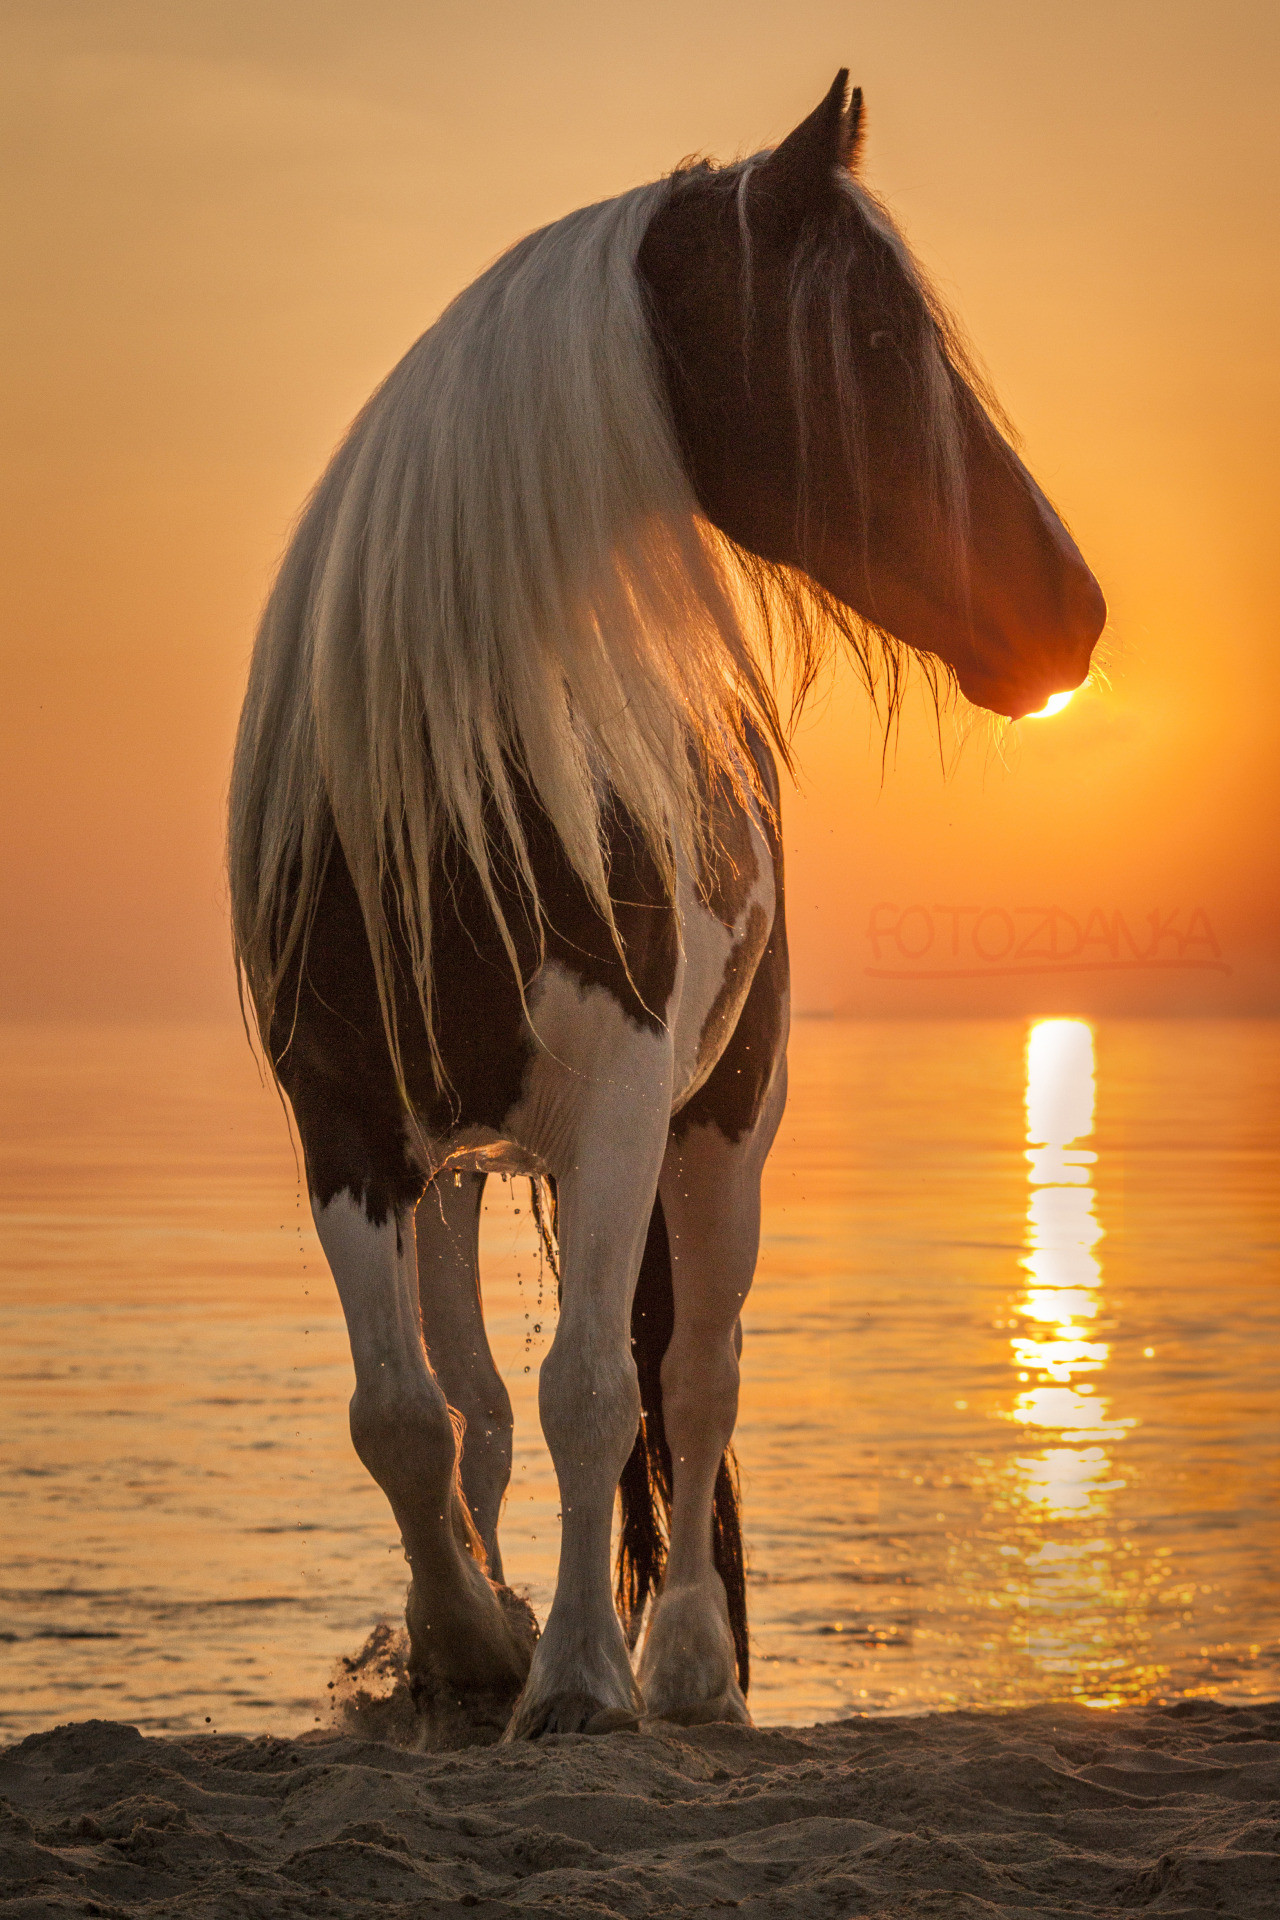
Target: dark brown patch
x,y
328,1039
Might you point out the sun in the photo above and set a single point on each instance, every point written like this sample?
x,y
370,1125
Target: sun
x,y
1054,704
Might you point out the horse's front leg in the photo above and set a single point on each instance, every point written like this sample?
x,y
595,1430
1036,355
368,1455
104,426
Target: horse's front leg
x,y
461,1637
710,1192
615,1114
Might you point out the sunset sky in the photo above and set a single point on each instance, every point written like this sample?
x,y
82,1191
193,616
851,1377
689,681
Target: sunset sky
x,y
224,222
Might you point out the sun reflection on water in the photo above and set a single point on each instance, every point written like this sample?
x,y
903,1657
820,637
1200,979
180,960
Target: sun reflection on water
x,y
1063,1270
1078,1593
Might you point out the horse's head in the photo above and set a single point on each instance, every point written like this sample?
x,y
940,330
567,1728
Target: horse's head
x,y
830,422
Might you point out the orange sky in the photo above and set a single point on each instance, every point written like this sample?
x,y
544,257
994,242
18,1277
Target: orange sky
x,y
225,221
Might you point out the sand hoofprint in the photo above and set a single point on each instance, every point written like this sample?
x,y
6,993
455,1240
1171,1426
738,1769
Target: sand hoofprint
x,y
1050,1811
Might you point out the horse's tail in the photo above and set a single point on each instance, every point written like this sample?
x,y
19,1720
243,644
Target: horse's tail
x,y
645,1485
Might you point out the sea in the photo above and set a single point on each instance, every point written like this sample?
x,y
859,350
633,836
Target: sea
x,y
1010,1424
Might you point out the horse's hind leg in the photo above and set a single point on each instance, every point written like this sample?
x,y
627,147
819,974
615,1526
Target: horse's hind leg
x,y
460,1636
448,1231
710,1192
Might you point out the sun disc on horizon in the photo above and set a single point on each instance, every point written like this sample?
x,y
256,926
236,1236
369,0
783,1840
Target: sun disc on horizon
x,y
1054,704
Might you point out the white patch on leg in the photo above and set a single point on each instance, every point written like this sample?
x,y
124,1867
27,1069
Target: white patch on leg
x,y
596,1109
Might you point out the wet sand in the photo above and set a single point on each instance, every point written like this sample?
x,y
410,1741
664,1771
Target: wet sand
x,y
1047,1811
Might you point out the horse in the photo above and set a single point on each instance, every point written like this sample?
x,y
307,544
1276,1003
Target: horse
x,y
505,861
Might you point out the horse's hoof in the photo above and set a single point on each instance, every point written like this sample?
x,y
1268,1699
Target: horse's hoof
x,y
567,1713
613,1720
487,1653
729,1709
448,1718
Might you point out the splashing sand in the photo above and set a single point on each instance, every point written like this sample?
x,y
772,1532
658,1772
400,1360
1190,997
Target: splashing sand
x,y
373,1696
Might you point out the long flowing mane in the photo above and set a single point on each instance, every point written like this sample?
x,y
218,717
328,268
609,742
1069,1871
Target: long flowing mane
x,y
502,583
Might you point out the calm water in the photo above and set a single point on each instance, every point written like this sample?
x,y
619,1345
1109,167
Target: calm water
x,y
1011,1411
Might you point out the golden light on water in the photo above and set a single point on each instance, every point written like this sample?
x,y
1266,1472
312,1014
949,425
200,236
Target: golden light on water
x,y
1057,1351
950,1504
1065,1581
1067,1480
1054,704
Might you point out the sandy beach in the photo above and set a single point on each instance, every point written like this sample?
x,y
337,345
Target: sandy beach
x,y
1045,1812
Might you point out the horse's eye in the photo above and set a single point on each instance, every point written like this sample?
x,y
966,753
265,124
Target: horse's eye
x,y
876,339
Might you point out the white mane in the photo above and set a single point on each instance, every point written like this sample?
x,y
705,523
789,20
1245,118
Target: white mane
x,y
503,568
504,577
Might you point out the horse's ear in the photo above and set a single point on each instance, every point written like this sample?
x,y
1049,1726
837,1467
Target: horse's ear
x,y
799,175
853,132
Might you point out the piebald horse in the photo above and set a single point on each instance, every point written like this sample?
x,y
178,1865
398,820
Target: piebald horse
x,y
505,864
